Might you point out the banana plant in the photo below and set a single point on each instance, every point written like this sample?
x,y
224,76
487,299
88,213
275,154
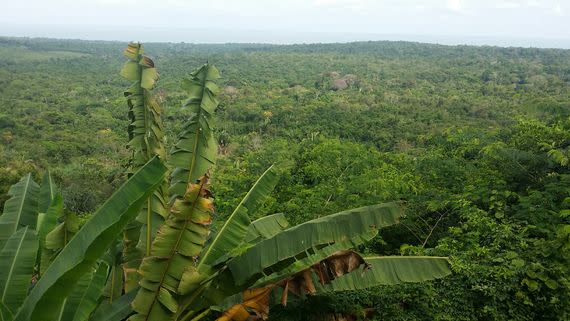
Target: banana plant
x,y
146,140
67,285
149,253
190,271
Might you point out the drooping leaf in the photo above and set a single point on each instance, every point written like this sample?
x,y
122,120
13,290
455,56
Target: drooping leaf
x,y
326,271
315,257
301,283
176,247
391,270
234,230
195,151
21,209
146,140
90,243
344,270
348,229
255,299
17,260
354,225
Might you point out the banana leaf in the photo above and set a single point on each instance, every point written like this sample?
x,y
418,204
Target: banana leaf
x,y
17,260
21,209
195,151
90,243
233,232
297,242
391,270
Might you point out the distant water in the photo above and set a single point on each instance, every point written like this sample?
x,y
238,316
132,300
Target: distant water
x,y
158,34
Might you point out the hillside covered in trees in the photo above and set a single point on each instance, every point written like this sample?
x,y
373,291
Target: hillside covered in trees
x,y
474,140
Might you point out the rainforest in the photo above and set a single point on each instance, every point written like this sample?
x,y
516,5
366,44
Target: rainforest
x,y
380,180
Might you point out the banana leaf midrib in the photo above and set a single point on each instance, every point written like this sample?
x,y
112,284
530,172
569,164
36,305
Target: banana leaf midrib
x,y
21,207
148,155
11,270
198,131
172,253
334,227
395,257
112,287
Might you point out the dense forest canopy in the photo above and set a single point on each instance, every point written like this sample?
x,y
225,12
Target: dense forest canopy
x,y
474,140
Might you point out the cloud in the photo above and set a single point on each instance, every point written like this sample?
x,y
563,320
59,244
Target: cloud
x,y
508,5
454,5
332,3
558,10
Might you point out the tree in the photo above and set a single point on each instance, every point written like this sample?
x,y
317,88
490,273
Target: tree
x,y
170,266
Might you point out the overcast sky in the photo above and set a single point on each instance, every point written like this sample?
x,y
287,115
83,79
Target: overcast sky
x,y
288,20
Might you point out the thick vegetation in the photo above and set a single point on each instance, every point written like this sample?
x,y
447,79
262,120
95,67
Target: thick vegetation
x,y
474,140
169,266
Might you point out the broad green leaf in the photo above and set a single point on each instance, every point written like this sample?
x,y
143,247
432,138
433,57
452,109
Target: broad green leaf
x,y
62,234
114,286
47,192
233,232
195,151
116,311
176,247
49,220
81,301
21,209
17,260
90,243
314,256
130,71
5,313
192,279
391,270
71,302
48,223
266,227
91,296
114,283
294,243
148,78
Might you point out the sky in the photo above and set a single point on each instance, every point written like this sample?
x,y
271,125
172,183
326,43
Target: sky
x,y
536,23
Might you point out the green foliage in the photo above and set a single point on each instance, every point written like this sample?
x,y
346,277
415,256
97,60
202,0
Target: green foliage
x,y
146,140
195,151
236,227
92,241
350,228
392,270
473,140
21,209
17,265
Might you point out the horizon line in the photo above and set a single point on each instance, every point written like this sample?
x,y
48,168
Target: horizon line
x,y
442,40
